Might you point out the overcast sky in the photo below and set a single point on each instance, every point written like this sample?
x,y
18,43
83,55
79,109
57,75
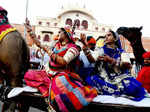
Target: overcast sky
x,y
114,12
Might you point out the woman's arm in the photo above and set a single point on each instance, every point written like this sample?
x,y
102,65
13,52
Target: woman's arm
x,y
85,48
71,54
35,40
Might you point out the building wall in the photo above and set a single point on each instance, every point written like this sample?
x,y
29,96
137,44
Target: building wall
x,y
94,28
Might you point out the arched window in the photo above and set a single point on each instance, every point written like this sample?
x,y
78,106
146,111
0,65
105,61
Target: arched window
x,y
96,28
40,23
48,23
77,22
103,29
55,24
46,38
85,24
39,37
68,21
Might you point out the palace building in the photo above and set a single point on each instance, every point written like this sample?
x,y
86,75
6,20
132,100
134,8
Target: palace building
x,y
47,27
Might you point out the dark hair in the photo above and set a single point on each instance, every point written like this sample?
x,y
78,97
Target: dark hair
x,y
67,34
113,33
89,37
117,42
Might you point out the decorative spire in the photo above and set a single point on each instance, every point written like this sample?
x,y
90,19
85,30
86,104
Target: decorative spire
x,y
84,6
62,7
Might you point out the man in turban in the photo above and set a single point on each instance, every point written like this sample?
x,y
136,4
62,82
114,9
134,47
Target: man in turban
x,y
87,67
144,73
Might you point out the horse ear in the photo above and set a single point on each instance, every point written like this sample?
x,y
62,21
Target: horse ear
x,y
140,28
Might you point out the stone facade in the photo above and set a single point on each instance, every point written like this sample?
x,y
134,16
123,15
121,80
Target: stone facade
x,y
48,27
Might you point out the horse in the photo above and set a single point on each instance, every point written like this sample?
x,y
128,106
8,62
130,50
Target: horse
x,y
133,35
14,58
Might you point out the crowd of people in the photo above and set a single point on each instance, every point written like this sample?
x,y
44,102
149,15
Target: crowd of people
x,y
73,71
77,71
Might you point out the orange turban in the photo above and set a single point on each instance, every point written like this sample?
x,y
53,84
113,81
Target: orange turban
x,y
91,40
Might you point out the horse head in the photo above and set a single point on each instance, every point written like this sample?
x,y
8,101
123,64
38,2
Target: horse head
x,y
132,34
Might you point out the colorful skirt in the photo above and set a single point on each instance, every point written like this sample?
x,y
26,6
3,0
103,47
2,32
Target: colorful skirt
x,y
65,90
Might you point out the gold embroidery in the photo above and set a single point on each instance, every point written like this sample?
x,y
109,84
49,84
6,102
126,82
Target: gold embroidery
x,y
5,32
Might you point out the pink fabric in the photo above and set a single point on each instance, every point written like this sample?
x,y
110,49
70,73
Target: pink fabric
x,y
1,8
4,27
40,81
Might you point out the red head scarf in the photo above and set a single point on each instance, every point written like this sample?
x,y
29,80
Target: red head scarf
x,y
146,55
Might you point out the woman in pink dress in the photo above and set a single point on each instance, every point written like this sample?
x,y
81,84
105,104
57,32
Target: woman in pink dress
x,y
59,82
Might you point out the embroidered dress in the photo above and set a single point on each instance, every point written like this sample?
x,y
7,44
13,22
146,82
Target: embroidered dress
x,y
111,80
64,88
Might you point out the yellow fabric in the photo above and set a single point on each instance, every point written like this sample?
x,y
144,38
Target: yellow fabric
x,y
100,43
5,32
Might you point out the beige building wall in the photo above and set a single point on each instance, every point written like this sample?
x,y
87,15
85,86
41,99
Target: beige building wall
x,y
52,25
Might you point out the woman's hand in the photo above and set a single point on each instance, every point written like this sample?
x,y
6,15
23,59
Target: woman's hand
x,y
83,38
107,58
125,65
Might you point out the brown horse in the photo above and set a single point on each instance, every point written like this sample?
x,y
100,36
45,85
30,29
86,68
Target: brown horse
x,y
133,35
14,59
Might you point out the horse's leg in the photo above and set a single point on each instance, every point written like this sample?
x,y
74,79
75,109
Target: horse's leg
x,y
23,105
13,79
13,55
9,107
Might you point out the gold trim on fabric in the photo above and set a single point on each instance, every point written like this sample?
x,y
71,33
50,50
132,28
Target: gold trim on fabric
x,y
5,32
